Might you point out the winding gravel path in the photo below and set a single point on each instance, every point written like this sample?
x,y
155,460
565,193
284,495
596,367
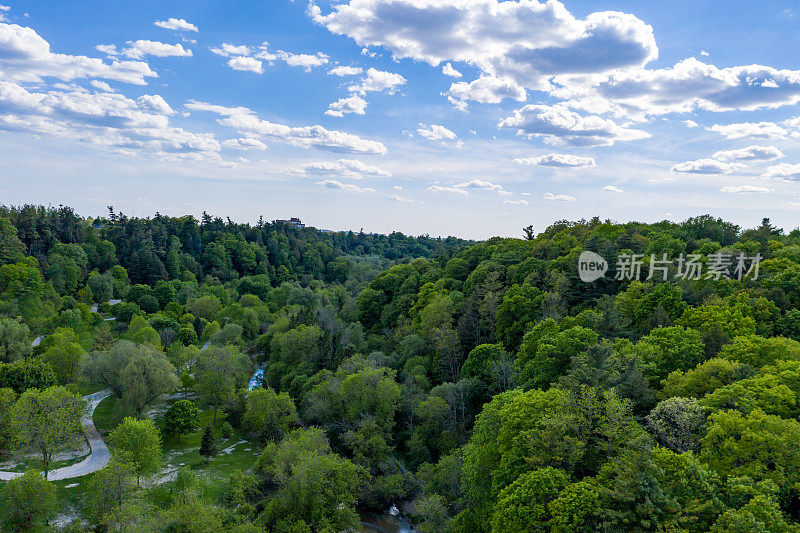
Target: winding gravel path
x,y
97,459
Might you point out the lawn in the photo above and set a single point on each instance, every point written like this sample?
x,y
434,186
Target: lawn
x,y
235,453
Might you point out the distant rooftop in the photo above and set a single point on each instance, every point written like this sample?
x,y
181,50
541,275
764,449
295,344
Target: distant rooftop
x,y
294,222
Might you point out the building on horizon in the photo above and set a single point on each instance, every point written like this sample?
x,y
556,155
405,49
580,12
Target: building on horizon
x,y
294,222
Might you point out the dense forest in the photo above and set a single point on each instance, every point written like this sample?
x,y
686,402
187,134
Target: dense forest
x,y
271,378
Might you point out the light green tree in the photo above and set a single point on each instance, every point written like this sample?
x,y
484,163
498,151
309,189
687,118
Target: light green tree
x,y
219,372
48,422
137,443
26,502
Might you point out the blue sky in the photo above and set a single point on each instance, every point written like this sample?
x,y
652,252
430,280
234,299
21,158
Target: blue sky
x,y
465,117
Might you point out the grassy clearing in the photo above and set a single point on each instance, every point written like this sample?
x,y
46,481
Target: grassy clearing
x,y
238,452
235,453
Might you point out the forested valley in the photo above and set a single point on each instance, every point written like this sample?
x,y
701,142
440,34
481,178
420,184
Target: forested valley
x,y
272,378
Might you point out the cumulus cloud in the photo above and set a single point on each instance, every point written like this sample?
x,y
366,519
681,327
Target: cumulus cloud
x,y
448,70
525,40
305,61
703,166
155,103
690,123
245,57
103,119
101,85
487,90
751,153
401,199
516,202
176,25
450,190
333,184
611,188
688,85
557,124
596,65
756,130
244,143
342,71
228,50
354,104
557,160
245,121
744,189
343,168
378,81
141,48
26,57
784,171
558,197
249,64
480,184
435,132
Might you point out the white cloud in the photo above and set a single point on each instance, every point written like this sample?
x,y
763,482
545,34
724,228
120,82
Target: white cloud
x,y
333,184
228,50
557,124
345,71
557,160
244,143
249,64
435,132
377,81
488,90
688,85
101,85
141,48
743,189
401,199
756,130
516,202
611,188
558,197
448,70
247,58
690,123
306,61
526,40
175,25
784,171
104,119
248,124
479,184
343,168
450,190
26,57
108,49
703,166
155,103
751,153
354,104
